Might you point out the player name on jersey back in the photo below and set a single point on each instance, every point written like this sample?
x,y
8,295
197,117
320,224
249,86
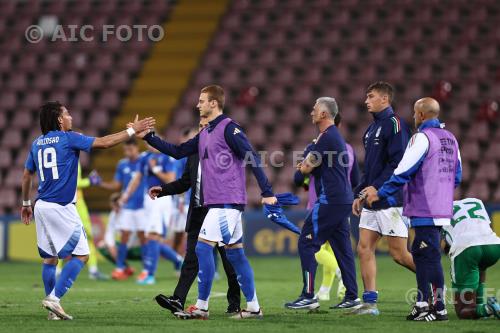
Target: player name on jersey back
x,y
47,141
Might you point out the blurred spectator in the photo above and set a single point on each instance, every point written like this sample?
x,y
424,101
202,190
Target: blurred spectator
x,y
488,111
247,96
442,91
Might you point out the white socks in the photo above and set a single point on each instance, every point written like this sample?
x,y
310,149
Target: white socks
x,y
202,305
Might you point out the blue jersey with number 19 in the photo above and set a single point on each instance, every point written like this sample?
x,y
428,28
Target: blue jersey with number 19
x,y
55,158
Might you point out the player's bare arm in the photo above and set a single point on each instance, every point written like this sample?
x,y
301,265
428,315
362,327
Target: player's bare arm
x,y
137,126
132,186
26,210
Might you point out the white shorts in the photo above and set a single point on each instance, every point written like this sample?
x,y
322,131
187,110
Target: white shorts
x,y
178,220
157,213
222,225
387,222
59,230
132,220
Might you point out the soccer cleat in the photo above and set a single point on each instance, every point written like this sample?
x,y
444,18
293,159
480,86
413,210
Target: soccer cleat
x,y
192,312
347,304
53,316
303,303
492,304
129,271
417,312
119,275
142,276
98,276
150,280
55,307
323,295
233,309
365,309
171,303
433,316
245,314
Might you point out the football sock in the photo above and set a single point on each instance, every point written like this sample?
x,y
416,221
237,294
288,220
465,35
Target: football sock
x,y
48,277
144,254
328,276
121,256
92,263
168,253
68,276
480,293
244,272
206,270
153,256
370,296
326,258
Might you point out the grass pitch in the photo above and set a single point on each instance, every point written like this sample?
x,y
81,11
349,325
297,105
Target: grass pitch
x,y
126,307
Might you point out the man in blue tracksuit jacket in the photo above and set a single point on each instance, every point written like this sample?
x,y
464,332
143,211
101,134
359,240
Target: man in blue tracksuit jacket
x,y
385,141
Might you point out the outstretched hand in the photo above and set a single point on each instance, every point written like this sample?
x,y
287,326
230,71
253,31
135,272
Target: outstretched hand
x,y
142,125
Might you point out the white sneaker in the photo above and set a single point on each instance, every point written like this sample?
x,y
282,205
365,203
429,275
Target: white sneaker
x,y
55,307
53,316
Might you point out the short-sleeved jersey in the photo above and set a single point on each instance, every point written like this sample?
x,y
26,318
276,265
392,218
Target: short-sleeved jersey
x,y
164,163
470,226
331,176
124,173
54,157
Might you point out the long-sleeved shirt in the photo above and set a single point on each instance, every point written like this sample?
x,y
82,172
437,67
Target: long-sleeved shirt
x,y
235,139
385,141
414,155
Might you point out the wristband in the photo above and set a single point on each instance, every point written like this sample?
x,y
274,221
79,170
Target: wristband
x,y
26,203
156,169
130,131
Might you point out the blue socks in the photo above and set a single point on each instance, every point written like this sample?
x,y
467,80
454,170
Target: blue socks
x,y
237,258
153,254
68,275
370,297
206,270
144,256
122,255
49,277
168,253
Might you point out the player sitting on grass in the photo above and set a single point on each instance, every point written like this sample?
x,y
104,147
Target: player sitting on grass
x,y
473,247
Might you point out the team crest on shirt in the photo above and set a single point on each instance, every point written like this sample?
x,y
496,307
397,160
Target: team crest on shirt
x,y
126,170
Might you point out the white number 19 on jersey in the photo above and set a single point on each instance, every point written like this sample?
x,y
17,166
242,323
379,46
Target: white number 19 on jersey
x,y
49,161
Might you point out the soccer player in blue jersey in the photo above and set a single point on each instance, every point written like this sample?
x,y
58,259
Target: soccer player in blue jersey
x,y
329,219
54,156
157,170
223,147
131,217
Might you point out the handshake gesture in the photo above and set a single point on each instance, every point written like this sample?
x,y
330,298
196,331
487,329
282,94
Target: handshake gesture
x,y
143,126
